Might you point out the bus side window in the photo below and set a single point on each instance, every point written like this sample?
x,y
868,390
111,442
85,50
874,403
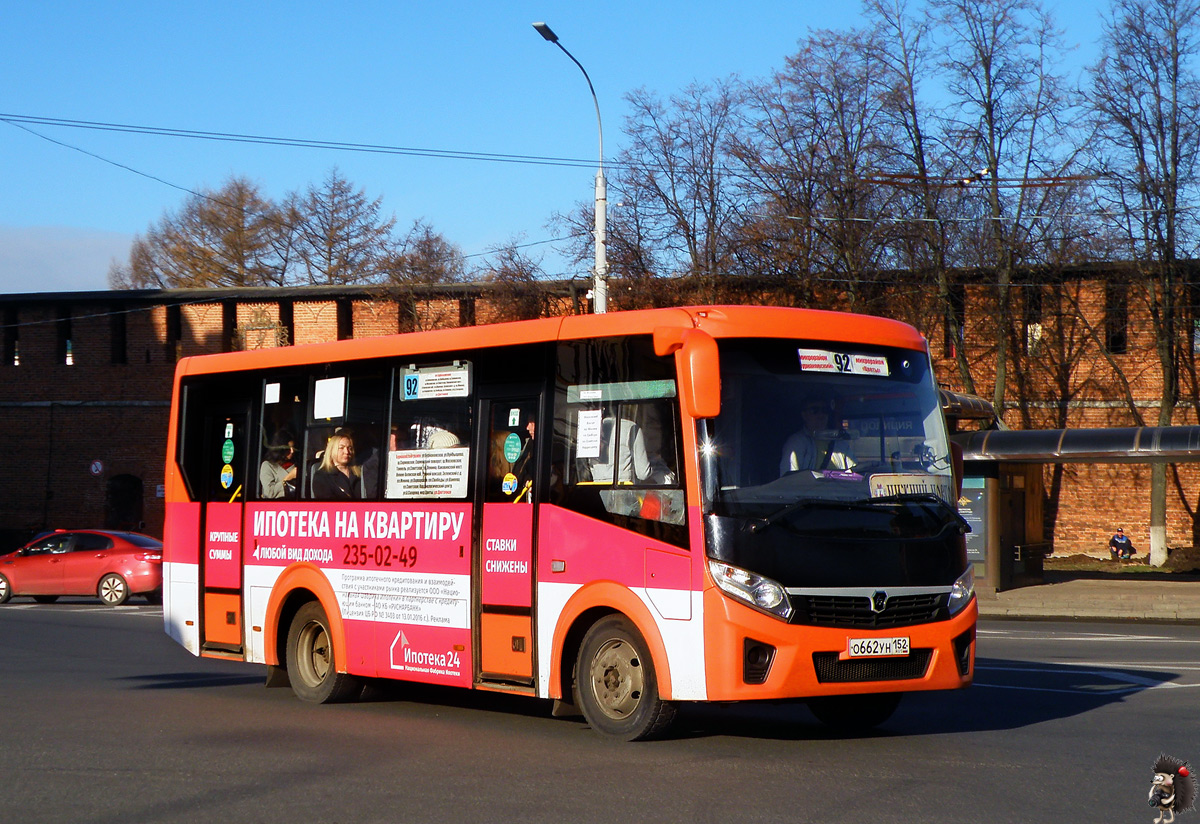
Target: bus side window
x,y
615,452
284,400
622,460
428,450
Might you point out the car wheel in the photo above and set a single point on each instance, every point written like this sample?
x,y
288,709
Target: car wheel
x,y
113,590
5,590
616,685
311,665
854,713
45,599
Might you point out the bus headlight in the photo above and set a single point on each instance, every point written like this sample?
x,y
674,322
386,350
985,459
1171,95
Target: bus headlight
x,y
963,589
757,591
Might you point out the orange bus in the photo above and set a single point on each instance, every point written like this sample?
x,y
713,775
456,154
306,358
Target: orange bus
x,y
619,512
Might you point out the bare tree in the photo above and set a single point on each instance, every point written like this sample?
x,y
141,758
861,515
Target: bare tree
x,y
1001,57
1145,92
920,166
227,237
517,287
424,256
634,267
339,235
674,171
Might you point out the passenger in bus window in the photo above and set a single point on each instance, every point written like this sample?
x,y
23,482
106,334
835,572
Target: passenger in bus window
x,y
367,460
338,478
815,445
624,445
277,475
433,435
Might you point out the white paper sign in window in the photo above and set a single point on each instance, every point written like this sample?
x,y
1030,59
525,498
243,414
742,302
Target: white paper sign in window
x,y
428,473
329,398
587,438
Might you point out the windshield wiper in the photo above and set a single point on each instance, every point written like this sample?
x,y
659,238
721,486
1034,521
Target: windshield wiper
x,y
925,499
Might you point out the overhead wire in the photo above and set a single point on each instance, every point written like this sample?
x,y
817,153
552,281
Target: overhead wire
x,y
896,179
24,122
301,143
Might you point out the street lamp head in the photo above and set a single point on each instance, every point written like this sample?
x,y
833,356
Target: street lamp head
x,y
546,32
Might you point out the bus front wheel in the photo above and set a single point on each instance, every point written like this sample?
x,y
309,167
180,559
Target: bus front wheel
x,y
616,683
311,665
854,713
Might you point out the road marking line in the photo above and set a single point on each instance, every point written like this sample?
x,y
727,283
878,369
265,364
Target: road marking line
x,y
1098,637
1140,683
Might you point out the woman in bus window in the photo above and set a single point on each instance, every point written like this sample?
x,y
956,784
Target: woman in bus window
x,y
277,473
338,478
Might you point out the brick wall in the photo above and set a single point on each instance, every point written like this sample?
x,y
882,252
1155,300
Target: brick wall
x,y
61,418
1067,363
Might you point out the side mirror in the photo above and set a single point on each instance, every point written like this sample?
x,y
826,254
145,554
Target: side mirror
x,y
699,366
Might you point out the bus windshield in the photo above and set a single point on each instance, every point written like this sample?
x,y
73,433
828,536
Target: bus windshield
x,y
837,446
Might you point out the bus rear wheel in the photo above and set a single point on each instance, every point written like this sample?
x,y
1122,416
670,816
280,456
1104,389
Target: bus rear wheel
x,y
854,713
616,685
311,665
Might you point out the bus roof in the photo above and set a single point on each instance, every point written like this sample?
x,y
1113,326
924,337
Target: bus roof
x,y
718,321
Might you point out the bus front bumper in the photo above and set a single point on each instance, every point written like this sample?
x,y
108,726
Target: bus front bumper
x,y
752,656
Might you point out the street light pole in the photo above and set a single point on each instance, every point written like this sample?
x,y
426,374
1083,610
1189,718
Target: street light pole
x,y
600,276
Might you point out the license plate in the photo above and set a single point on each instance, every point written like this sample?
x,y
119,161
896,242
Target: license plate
x,y
877,647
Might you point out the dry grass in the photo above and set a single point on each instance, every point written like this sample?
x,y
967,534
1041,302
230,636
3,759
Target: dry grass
x,y
1182,560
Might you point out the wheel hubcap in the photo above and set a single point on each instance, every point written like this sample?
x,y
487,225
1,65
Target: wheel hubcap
x,y
314,653
617,679
111,590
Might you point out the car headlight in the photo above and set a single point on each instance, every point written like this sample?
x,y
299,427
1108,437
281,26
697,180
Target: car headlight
x,y
755,590
963,590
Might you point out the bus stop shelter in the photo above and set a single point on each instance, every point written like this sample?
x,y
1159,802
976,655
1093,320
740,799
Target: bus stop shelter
x,y
1003,490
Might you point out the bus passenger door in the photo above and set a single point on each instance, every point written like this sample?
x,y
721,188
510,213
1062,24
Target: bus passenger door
x,y
505,551
226,461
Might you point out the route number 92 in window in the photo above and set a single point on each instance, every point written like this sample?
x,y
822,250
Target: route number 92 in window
x,y
877,647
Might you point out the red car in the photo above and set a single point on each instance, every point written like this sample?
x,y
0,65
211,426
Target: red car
x,y
111,565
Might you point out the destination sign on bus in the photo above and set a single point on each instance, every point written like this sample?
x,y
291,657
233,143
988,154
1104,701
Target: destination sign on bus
x,y
823,360
435,382
887,484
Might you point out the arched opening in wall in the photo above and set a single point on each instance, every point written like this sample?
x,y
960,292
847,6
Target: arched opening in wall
x,y
123,503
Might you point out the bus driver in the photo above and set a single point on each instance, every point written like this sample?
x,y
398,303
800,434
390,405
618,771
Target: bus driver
x,y
815,445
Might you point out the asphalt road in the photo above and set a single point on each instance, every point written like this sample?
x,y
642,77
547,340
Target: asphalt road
x,y
106,720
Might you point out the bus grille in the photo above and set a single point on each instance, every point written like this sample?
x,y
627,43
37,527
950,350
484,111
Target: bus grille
x,y
855,612
830,670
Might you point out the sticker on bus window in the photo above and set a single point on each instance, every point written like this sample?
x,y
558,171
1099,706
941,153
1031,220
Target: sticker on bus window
x,y
621,391
822,360
512,447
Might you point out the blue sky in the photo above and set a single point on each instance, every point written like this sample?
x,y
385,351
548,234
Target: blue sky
x,y
471,77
